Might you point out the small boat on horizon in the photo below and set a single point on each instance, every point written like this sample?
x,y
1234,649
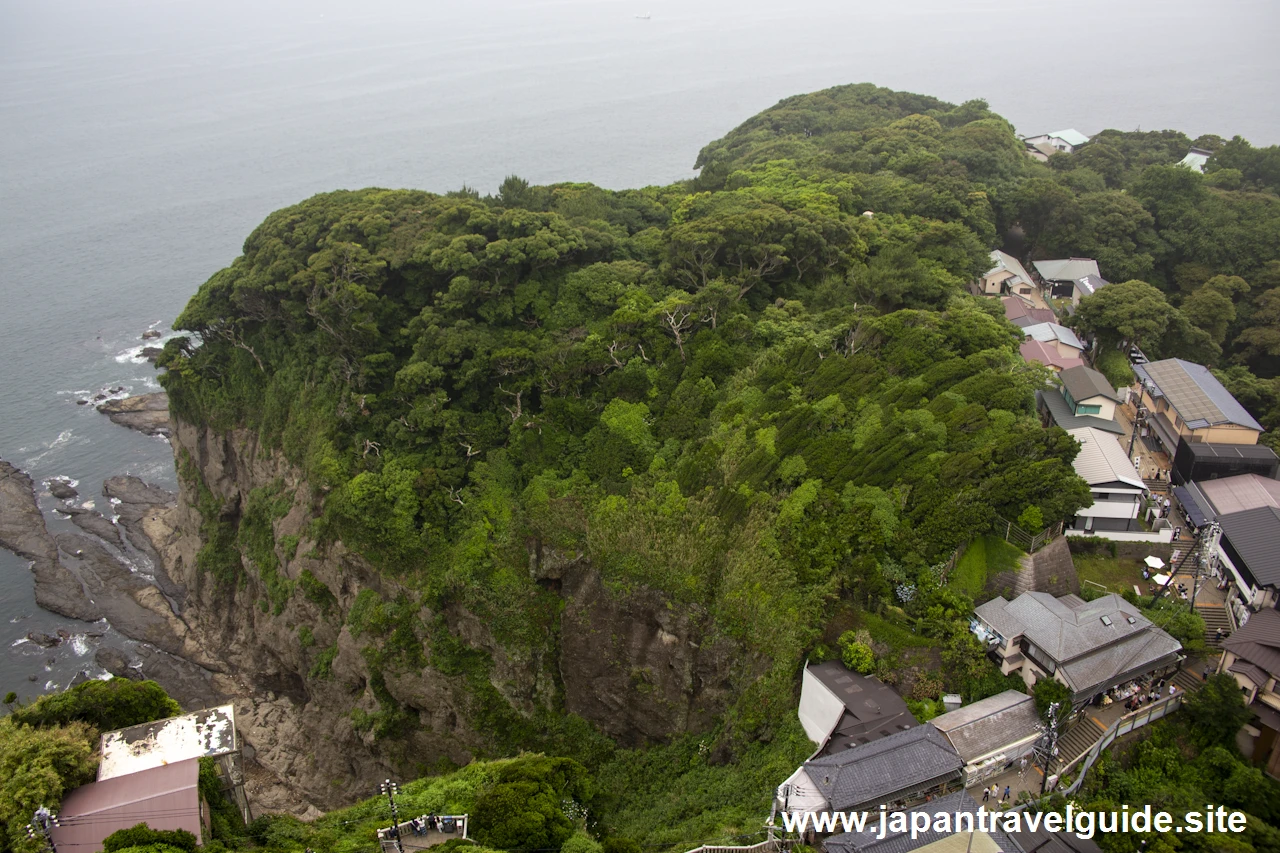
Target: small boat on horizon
x,y
645,16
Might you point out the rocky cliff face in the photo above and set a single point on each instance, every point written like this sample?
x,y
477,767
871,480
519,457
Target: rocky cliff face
x,y
311,690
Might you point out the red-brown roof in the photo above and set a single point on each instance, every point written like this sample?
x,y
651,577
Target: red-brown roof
x,y
1033,350
164,797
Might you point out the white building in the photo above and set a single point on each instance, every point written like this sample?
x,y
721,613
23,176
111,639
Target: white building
x,y
1113,482
1066,141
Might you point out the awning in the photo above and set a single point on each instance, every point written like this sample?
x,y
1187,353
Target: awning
x,y
1164,431
1195,514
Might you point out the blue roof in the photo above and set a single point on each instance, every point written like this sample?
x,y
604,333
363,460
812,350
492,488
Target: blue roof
x,y
1191,505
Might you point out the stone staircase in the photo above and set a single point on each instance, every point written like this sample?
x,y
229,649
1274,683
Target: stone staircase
x,y
1084,733
1215,617
1188,680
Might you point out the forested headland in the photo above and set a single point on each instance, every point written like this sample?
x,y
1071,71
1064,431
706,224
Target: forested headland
x,y
761,401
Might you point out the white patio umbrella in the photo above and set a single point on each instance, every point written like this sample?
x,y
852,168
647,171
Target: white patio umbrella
x,y
1154,562
1160,580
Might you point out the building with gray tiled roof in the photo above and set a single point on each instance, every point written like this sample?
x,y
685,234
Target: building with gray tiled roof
x,y
901,767
869,841
1090,646
1251,655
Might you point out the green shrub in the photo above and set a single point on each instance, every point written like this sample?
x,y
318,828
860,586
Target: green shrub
x,y
116,703
142,835
856,655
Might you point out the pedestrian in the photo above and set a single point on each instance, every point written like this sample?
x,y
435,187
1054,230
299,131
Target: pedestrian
x,y
1205,675
1005,796
1172,689
1217,636
986,794
1177,533
1022,766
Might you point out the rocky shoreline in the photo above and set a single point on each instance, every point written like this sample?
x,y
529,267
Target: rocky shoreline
x,y
113,573
147,413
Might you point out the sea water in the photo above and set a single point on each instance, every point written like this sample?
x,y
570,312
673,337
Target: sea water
x,y
142,140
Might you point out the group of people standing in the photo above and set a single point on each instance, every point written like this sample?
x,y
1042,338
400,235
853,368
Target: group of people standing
x,y
993,793
424,823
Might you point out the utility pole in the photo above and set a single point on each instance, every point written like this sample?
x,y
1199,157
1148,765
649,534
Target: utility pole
x,y
1207,559
1047,746
1138,420
391,789
42,823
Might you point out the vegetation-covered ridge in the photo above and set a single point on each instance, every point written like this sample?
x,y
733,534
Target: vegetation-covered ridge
x,y
762,396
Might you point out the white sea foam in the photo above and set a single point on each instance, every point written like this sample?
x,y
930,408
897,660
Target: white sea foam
x,y
80,645
18,641
63,439
88,504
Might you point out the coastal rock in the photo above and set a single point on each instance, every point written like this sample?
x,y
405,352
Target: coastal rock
x,y
141,511
151,353
44,641
62,490
132,605
191,685
117,663
152,334
147,413
23,531
92,521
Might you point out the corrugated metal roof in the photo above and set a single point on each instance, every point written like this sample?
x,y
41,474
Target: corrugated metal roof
x,y
1189,500
1017,310
1060,413
1067,269
989,725
1045,332
1195,394
1085,382
202,733
1008,263
1250,671
1244,491
164,797
1102,460
1091,284
864,775
1255,534
1032,350
1071,136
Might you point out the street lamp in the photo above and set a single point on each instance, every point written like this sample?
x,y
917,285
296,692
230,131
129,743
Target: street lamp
x,y
391,789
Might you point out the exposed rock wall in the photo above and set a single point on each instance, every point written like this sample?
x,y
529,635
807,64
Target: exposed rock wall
x,y
637,668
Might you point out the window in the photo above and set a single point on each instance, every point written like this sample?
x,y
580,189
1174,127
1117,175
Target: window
x,y
1094,409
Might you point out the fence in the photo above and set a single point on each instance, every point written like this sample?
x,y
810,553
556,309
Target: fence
x,y
1165,535
1028,542
1122,726
770,846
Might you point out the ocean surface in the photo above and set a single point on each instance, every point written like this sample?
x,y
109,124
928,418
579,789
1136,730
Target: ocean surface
x,y
141,141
